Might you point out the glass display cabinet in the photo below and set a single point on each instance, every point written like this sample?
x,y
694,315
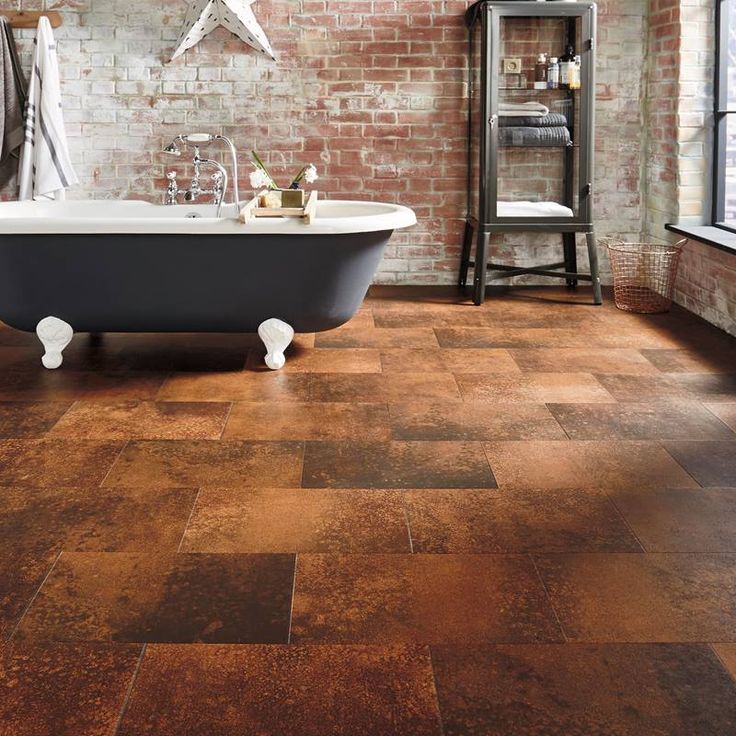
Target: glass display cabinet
x,y
530,135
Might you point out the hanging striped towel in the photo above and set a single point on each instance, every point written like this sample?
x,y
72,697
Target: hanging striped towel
x,y
45,166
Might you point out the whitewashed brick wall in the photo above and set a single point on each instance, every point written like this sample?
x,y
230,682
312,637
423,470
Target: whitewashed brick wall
x,y
372,91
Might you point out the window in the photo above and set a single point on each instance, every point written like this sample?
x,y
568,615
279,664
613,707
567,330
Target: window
x,y
724,168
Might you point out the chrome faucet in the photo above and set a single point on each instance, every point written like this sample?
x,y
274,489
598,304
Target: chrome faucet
x,y
219,178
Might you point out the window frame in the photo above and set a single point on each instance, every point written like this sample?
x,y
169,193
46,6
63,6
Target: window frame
x,y
720,117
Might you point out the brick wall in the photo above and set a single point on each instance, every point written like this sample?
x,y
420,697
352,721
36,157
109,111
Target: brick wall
x,y
678,149
370,90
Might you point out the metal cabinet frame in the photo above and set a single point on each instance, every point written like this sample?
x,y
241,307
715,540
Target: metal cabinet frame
x,y
488,222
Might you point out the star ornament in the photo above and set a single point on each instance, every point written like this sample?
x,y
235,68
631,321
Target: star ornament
x,y
204,16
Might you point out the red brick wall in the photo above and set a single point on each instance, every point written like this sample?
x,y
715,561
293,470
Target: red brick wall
x,y
371,91
678,114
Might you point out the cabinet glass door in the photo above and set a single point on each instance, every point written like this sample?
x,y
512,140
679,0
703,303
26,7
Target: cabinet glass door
x,y
531,113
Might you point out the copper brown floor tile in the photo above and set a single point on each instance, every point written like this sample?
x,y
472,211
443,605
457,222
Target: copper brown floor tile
x,y
64,689
445,315
725,412
716,387
710,463
308,421
172,464
552,336
727,655
681,520
419,598
368,387
585,360
513,521
537,388
515,337
29,419
644,388
296,520
64,385
239,386
692,361
283,691
21,574
396,465
124,597
411,337
583,689
473,421
447,360
94,519
634,421
609,465
520,316
146,420
51,462
318,360
643,598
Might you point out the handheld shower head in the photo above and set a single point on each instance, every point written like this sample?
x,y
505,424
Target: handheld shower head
x,y
172,148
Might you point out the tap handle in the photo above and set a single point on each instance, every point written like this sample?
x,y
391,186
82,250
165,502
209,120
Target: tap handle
x,y
171,176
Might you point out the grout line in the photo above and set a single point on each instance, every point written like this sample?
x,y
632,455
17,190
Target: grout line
x,y
408,524
293,592
114,462
46,434
559,423
721,661
189,519
303,448
436,691
549,599
129,690
490,467
612,501
35,595
712,413
659,443
169,375
227,418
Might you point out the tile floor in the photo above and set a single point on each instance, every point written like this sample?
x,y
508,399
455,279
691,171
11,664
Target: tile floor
x,y
439,519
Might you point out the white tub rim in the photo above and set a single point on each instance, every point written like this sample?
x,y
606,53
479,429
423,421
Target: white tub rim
x,y
103,216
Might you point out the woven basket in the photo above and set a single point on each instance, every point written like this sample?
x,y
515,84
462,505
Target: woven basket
x,y
644,275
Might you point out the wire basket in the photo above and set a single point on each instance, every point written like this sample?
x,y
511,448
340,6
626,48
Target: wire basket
x,y
644,275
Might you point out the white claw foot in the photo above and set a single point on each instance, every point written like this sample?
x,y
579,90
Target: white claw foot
x,y
55,334
276,336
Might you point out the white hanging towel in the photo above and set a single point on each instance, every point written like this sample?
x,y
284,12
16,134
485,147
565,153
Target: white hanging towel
x,y
45,166
522,109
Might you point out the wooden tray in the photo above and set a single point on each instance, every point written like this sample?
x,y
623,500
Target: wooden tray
x,y
308,213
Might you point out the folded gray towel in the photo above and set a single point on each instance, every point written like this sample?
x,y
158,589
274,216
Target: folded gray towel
x,y
549,120
13,90
528,136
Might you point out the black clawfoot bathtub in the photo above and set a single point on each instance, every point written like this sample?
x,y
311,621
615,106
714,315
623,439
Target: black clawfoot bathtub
x,y
137,267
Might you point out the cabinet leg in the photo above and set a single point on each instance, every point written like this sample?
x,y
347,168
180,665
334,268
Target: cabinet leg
x,y
594,272
465,259
479,279
571,256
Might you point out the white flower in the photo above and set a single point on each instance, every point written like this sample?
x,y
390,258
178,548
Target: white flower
x,y
259,178
310,174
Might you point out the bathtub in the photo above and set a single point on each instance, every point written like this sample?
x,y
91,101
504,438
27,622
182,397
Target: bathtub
x,y
130,266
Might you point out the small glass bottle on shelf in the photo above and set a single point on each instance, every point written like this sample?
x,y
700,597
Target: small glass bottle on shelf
x,y
553,74
575,77
540,72
567,63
